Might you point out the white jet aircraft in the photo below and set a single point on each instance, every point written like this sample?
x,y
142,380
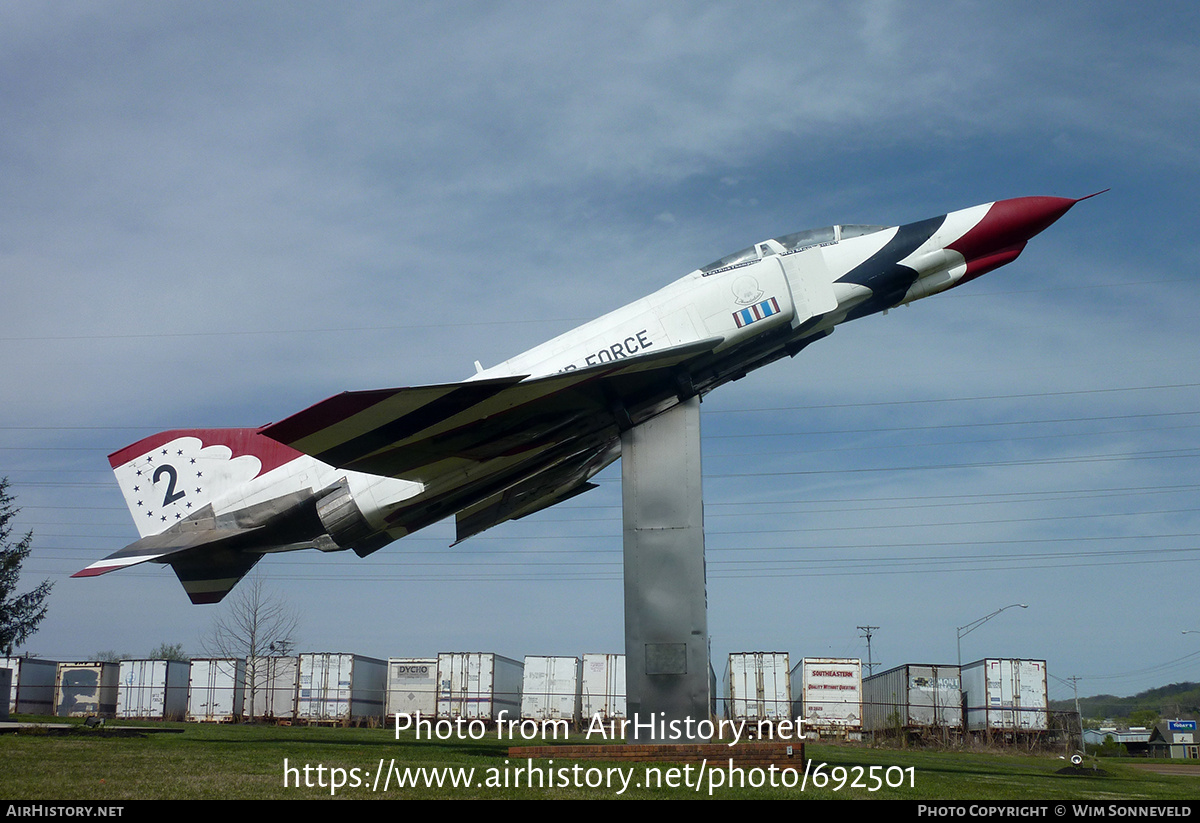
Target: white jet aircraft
x,y
362,469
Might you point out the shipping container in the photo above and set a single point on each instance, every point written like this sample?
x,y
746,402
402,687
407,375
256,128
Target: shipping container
x,y
478,685
32,689
827,695
913,698
341,688
152,689
551,687
412,686
1005,694
216,686
603,692
87,688
270,690
758,685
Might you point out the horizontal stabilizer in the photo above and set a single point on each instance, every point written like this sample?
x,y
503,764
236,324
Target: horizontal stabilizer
x,y
208,577
160,546
211,554
208,562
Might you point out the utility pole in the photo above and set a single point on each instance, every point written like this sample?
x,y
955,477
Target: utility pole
x,y
1078,713
867,633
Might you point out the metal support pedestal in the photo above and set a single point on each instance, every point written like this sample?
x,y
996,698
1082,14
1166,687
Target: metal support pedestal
x,y
666,604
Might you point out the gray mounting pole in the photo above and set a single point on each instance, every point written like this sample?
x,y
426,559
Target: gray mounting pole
x,y
666,602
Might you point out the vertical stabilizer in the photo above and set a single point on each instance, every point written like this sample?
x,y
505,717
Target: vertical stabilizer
x,y
170,476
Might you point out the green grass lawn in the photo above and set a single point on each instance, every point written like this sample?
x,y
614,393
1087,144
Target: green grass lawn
x,y
247,762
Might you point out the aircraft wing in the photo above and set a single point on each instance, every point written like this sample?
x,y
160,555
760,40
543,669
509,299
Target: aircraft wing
x,y
425,432
492,449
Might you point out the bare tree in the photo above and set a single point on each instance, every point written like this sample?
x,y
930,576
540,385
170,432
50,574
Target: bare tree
x,y
255,623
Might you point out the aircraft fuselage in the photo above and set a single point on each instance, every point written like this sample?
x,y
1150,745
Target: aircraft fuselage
x,y
364,468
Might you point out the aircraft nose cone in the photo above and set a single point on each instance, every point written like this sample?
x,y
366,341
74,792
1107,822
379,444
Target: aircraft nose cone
x,y
1009,224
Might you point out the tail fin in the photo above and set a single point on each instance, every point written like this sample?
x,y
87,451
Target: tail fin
x,y
176,482
172,475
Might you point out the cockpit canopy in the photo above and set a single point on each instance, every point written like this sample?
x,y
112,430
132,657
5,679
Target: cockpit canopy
x,y
787,244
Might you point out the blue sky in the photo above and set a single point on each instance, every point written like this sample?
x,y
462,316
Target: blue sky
x,y
216,215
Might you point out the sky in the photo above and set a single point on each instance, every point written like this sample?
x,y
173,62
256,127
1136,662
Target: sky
x,y
219,214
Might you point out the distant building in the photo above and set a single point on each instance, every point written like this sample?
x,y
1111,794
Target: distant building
x,y
1135,739
1175,739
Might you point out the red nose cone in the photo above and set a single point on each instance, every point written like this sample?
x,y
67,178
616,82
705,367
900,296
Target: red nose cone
x,y
1011,223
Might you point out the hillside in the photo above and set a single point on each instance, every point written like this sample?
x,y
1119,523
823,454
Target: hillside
x,y
1174,701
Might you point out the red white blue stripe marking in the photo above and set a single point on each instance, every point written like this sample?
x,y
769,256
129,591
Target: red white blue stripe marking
x,y
750,314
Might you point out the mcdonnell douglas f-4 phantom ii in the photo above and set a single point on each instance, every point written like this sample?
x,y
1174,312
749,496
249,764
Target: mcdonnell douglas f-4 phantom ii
x,y
361,469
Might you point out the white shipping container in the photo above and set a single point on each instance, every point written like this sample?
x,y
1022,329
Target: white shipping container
x,y
551,687
412,686
152,689
603,693
912,697
341,687
82,689
32,689
215,689
829,690
270,690
478,685
759,686
1005,694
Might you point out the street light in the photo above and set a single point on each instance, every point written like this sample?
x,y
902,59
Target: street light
x,y
963,631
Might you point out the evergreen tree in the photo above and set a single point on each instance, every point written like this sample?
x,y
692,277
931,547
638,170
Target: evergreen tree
x,y
19,614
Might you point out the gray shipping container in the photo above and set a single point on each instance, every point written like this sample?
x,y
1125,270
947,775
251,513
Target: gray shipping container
x,y
1005,694
152,689
215,689
603,694
550,688
412,686
913,697
271,687
758,685
341,687
32,689
88,688
478,685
